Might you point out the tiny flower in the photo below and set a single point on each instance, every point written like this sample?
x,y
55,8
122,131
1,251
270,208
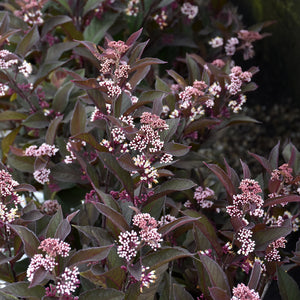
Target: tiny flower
x,y
243,292
216,42
42,175
68,281
54,247
146,278
128,245
189,10
244,236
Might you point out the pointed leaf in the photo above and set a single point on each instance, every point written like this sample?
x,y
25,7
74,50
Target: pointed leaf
x,y
52,129
218,293
281,200
89,255
103,294
22,290
10,115
29,239
288,288
176,149
167,228
164,255
61,97
117,219
255,276
88,138
78,121
124,176
175,184
216,274
223,177
27,43
180,293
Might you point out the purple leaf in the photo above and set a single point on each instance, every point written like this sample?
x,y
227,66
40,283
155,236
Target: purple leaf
x,y
89,255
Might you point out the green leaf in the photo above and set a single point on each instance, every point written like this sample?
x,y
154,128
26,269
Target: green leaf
x,y
160,85
288,288
29,239
164,3
169,227
89,255
97,29
9,115
66,173
124,176
208,230
224,178
54,21
179,79
52,129
4,296
61,97
200,125
193,68
216,274
21,163
45,69
175,184
103,294
22,290
89,138
164,255
281,199
113,278
144,62
78,121
98,235
116,218
180,293
266,236
166,135
218,294
65,5
8,140
90,5
27,43
239,119
36,120
176,149
255,276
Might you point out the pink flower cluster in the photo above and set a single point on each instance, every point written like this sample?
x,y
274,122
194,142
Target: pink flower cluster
x,y
68,282
237,77
148,174
54,247
10,199
189,10
283,173
243,292
40,261
272,253
202,195
44,149
128,245
146,278
42,175
248,202
129,242
154,121
244,236
30,11
161,19
230,46
148,230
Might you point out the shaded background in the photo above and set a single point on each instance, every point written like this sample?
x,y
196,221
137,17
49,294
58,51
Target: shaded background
x,y
276,102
